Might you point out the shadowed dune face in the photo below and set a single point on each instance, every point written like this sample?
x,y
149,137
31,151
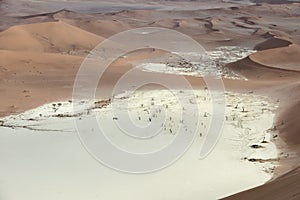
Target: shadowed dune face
x,y
272,43
278,63
289,126
286,58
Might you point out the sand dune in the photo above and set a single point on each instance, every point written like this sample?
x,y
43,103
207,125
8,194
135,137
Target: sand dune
x,y
271,43
35,71
272,63
29,79
103,27
211,27
289,126
254,71
284,187
286,58
277,65
56,37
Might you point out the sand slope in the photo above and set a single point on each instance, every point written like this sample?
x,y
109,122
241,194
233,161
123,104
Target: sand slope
x,y
48,37
285,187
286,58
280,66
289,125
28,79
277,63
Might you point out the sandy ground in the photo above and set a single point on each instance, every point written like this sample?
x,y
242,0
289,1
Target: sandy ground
x,y
39,61
248,155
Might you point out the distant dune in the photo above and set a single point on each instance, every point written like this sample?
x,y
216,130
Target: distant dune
x,y
284,187
57,37
286,58
271,63
273,42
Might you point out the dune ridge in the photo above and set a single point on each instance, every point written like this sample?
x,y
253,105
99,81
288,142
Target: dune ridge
x,y
279,65
279,62
284,187
54,37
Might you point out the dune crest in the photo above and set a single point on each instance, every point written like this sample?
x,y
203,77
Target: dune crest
x,y
284,187
272,63
54,37
286,58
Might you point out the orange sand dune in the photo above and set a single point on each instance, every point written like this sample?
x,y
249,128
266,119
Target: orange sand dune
x,y
48,37
284,187
255,71
29,79
289,126
286,58
274,63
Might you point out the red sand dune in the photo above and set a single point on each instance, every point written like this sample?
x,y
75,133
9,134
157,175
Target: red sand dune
x,y
286,58
57,37
271,63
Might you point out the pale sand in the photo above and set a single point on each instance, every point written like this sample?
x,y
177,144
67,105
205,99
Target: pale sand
x,y
45,156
